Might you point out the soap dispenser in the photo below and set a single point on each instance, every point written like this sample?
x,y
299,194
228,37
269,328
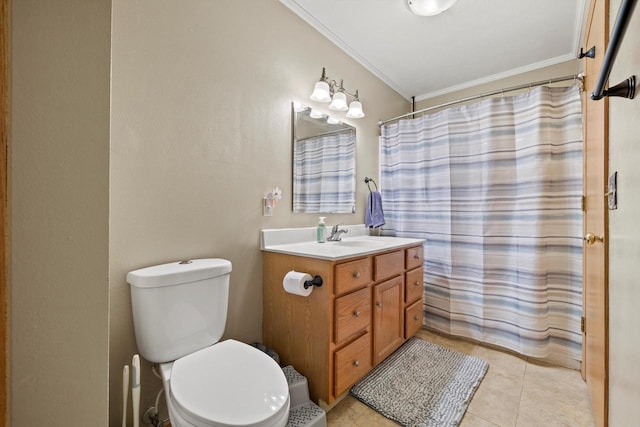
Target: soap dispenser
x,y
320,230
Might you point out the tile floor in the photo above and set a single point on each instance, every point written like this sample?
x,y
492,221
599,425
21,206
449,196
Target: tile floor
x,y
515,392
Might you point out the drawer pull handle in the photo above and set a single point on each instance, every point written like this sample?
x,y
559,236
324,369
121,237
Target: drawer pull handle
x,y
418,283
356,313
416,317
356,363
379,304
356,274
416,256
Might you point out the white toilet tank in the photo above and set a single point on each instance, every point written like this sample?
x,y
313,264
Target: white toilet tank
x,y
180,307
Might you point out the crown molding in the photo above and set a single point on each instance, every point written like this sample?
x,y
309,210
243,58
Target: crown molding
x,y
498,76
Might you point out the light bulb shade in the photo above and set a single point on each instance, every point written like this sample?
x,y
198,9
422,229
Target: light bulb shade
x,y
339,102
315,114
429,7
332,121
321,92
355,110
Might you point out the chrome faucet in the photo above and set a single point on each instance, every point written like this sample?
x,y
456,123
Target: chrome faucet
x,y
336,232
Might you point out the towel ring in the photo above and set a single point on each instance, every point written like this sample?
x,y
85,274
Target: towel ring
x,y
367,180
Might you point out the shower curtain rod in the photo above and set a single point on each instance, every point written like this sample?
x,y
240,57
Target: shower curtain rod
x,y
484,95
627,88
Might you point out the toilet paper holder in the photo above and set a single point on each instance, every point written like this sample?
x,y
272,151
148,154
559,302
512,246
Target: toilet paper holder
x,y
316,281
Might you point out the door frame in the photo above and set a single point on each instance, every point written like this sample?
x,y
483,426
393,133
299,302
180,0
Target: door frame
x,y
4,213
595,362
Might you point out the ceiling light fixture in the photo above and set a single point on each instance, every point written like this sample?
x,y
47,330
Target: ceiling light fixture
x,y
327,90
429,7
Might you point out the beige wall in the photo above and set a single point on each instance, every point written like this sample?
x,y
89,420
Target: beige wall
x,y
624,229
200,130
59,210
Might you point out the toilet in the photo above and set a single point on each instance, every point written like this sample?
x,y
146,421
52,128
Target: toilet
x,y
179,315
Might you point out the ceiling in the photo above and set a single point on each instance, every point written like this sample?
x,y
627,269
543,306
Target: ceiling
x,y
474,42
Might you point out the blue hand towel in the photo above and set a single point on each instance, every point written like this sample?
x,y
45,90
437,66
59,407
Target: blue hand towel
x,y
374,217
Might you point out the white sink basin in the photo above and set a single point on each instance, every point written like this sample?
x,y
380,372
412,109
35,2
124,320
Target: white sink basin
x,y
361,242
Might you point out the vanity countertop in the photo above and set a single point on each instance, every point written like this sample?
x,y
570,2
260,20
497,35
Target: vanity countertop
x,y
299,242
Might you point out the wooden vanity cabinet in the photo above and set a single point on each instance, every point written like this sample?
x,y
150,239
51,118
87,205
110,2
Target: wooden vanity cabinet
x,y
360,315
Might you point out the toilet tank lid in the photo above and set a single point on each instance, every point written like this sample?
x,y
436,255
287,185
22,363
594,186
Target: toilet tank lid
x,y
175,273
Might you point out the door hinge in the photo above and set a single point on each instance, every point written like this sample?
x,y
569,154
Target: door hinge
x,y
583,204
583,326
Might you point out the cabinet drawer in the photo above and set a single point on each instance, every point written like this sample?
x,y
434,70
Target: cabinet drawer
x,y
352,314
388,265
352,275
413,285
414,257
352,363
412,319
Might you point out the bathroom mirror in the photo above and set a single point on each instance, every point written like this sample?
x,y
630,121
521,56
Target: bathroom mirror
x,y
324,162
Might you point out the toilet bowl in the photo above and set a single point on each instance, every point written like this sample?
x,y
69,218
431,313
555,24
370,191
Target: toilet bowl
x,y
179,314
227,384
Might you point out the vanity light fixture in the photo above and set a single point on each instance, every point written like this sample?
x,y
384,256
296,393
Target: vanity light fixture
x,y
429,7
321,91
332,121
339,102
328,90
355,110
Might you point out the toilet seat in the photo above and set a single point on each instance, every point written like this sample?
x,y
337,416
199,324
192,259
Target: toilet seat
x,y
229,383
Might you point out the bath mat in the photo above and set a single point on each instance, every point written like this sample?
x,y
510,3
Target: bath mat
x,y
422,384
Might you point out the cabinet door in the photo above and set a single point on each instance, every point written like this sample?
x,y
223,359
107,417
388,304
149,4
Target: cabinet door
x,y
388,317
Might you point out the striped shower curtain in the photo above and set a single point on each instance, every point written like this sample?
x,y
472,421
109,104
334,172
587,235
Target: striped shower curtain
x,y
495,189
324,173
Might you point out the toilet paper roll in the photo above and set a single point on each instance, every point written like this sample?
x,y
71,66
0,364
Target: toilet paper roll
x,y
293,283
